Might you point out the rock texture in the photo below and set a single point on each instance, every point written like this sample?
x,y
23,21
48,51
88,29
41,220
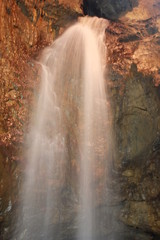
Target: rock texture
x,y
26,28
133,43
107,8
133,58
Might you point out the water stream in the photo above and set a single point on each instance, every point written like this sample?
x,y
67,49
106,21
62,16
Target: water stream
x,y
69,142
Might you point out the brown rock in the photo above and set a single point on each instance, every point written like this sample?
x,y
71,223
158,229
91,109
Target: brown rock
x,y
141,215
74,5
26,28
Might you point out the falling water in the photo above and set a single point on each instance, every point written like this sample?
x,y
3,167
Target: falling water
x,y
71,122
93,136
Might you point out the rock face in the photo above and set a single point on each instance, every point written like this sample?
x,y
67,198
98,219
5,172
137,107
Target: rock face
x,y
26,28
133,59
107,8
137,118
133,43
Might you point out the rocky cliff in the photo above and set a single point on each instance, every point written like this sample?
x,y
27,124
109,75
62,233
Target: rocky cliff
x,y
133,57
133,42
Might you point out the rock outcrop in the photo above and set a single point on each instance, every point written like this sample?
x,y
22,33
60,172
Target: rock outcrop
x,y
107,8
133,60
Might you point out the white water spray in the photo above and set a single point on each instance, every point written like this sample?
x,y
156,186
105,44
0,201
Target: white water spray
x,y
94,128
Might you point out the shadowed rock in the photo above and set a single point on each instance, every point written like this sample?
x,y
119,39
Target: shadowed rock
x,y
107,8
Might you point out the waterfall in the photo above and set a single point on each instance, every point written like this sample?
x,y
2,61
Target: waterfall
x,y
94,127
69,141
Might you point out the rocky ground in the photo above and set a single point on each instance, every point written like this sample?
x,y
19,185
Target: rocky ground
x,y
133,42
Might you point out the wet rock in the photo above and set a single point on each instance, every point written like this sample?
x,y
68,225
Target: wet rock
x,y
142,215
130,234
137,117
128,173
26,28
134,73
